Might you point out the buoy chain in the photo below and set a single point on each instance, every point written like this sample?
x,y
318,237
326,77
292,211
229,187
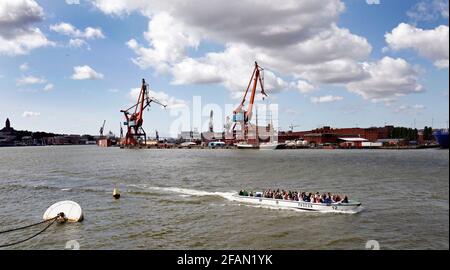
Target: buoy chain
x,y
28,226
60,216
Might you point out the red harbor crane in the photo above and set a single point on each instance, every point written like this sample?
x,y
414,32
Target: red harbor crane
x,y
134,117
241,115
102,128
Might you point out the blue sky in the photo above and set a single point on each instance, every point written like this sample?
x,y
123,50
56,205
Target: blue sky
x,y
183,56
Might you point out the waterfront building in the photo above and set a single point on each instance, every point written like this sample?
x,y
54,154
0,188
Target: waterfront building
x,y
7,135
328,135
352,142
189,136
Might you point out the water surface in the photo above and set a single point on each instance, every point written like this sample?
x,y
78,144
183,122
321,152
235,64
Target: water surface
x,y
172,199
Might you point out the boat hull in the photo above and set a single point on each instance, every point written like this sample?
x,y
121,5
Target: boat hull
x,y
271,146
246,146
351,207
442,138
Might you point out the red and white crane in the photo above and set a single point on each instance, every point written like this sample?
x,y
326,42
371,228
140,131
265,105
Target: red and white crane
x,y
134,119
241,115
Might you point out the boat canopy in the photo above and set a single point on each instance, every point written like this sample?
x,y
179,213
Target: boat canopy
x,y
357,139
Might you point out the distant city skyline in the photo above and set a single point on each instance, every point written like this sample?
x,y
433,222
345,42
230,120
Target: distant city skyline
x,y
66,66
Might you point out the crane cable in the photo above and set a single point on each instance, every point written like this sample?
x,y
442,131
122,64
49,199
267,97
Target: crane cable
x,y
53,220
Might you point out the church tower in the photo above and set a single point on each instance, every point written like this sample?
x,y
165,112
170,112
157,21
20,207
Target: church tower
x,y
7,124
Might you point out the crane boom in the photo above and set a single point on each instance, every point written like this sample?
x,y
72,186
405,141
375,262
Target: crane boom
x,y
102,128
242,116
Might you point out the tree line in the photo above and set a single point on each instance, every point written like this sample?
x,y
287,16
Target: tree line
x,y
410,134
404,133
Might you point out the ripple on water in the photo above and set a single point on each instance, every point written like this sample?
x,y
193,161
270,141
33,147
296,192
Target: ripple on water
x,y
178,198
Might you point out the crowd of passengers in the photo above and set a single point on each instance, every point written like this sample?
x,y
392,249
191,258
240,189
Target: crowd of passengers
x,y
297,196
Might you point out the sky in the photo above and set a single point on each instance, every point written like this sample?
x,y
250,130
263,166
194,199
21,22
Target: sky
x,y
67,65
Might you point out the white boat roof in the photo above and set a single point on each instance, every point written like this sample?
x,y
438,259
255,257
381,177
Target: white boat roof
x,y
356,139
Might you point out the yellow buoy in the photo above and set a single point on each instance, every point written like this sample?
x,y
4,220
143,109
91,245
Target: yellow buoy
x,y
116,193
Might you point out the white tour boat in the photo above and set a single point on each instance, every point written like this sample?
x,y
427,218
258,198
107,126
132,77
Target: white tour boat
x,y
271,145
350,207
246,146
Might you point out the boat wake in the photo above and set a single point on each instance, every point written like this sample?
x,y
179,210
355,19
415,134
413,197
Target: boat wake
x,y
230,196
192,192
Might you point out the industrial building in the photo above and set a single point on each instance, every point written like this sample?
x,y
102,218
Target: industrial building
x,y
190,136
328,135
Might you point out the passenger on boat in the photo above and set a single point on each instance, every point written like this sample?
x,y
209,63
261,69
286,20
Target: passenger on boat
x,y
316,197
306,198
301,197
243,193
345,200
325,198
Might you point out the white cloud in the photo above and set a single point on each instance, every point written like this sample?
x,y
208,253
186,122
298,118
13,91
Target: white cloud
x,y
207,72
30,80
93,33
70,30
331,44
24,67
168,43
160,96
118,7
78,43
48,87
31,114
326,99
428,10
292,39
86,73
305,87
432,44
388,79
24,42
286,21
332,56
338,71
232,68
18,15
414,109
78,37
17,34
282,45
65,29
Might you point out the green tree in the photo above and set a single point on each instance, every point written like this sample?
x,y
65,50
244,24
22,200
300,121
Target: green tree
x,y
428,133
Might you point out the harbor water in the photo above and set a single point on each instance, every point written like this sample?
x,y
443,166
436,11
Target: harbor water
x,y
178,199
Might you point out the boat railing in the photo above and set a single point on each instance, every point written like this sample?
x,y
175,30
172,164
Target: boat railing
x,y
351,202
